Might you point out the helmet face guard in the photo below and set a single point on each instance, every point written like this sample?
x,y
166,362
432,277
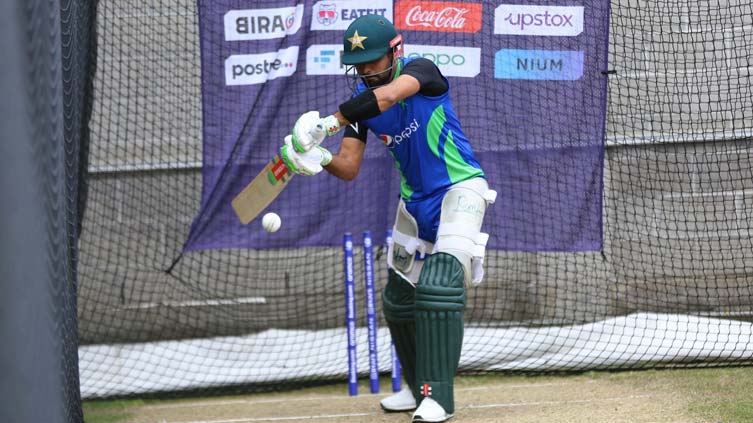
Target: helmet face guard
x,y
367,39
385,75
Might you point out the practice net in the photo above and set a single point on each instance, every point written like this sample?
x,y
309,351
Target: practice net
x,y
670,283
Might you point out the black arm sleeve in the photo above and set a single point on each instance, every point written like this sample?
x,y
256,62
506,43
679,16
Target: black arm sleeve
x,y
428,75
361,107
357,130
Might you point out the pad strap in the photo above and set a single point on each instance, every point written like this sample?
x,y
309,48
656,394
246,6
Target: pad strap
x,y
411,243
406,251
479,252
480,187
461,241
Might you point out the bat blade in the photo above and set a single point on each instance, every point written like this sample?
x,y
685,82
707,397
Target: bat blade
x,y
262,190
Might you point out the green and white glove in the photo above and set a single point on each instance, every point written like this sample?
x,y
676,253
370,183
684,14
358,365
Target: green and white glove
x,y
309,163
309,130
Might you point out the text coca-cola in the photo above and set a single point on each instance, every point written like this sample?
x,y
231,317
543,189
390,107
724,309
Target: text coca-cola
x,y
449,17
442,17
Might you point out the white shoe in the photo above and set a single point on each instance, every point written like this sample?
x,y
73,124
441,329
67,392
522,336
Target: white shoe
x,y
430,411
401,401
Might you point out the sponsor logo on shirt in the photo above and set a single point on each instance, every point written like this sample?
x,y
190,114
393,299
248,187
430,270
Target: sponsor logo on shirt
x,y
438,16
396,139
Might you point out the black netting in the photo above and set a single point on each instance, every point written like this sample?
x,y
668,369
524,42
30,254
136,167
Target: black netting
x,y
671,286
39,155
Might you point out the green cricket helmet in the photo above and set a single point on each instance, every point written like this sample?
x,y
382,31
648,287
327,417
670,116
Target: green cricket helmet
x,y
368,38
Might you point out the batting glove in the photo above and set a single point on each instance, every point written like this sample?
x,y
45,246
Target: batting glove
x,y
309,163
309,130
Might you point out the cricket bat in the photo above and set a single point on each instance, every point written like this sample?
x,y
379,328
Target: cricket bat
x,y
262,190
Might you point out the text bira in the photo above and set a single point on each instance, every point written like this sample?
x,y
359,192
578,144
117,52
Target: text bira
x,y
259,24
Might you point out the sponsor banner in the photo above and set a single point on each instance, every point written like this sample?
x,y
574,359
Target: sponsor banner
x,y
262,24
521,19
438,16
533,107
249,69
324,59
452,61
538,64
338,14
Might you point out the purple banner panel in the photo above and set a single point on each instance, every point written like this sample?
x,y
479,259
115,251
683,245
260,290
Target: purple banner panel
x,y
527,80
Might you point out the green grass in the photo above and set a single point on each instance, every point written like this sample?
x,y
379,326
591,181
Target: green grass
x,y
713,394
724,395
104,411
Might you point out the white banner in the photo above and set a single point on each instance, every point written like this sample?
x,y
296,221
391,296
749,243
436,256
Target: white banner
x,y
452,61
249,69
519,19
339,14
262,24
324,59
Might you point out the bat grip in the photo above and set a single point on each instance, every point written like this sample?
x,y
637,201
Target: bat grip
x,y
318,132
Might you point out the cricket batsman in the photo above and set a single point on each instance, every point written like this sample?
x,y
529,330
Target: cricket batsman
x,y
438,247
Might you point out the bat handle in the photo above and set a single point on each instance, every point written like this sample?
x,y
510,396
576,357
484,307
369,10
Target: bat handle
x,y
318,132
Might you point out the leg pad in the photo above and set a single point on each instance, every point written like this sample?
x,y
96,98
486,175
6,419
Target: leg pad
x,y
399,303
440,302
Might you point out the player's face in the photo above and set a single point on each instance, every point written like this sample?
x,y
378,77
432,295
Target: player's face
x,y
373,72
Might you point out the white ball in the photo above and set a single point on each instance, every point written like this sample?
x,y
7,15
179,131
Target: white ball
x,y
271,222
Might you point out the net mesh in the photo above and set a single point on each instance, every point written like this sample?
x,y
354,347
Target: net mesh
x,y
671,286
39,173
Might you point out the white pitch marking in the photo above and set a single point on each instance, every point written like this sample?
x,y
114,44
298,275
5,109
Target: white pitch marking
x,y
268,419
503,386
335,397
330,416
528,404
248,402
198,303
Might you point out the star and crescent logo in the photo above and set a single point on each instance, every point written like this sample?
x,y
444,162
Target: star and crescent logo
x,y
357,41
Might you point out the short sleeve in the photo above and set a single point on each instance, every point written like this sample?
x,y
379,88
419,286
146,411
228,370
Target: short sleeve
x,y
428,75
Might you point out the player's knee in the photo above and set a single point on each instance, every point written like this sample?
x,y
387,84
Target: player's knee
x,y
443,269
441,286
398,299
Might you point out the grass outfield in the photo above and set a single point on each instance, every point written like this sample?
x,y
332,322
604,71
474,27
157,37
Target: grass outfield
x,y
678,395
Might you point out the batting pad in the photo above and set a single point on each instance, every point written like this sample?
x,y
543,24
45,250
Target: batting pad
x,y
440,302
398,303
